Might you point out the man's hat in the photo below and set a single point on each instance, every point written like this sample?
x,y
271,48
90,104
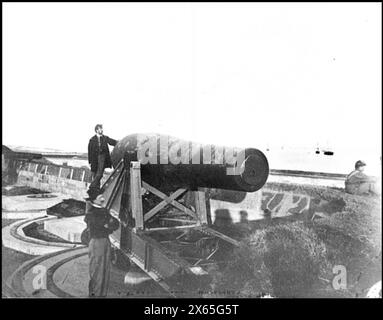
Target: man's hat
x,y
93,193
359,163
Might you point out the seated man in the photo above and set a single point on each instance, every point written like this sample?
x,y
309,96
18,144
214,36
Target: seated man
x,y
357,182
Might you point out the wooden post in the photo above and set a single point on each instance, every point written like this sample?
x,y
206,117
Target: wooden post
x,y
200,205
135,194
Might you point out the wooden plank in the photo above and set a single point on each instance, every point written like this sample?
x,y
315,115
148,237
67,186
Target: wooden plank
x,y
177,220
221,235
184,209
113,192
118,177
171,228
200,204
173,202
135,195
111,177
163,204
160,194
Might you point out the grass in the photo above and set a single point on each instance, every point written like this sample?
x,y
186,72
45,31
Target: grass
x,y
296,258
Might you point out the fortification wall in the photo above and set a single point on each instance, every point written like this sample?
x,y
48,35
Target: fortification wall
x,y
54,178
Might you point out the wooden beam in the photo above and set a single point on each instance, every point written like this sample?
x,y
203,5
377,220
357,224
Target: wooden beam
x,y
171,228
200,204
221,235
117,169
163,204
120,176
135,195
177,220
171,202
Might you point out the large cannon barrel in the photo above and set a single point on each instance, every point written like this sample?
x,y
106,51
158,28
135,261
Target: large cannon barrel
x,y
169,163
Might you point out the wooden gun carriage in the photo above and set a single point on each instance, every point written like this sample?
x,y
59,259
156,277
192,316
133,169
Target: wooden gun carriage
x,y
163,207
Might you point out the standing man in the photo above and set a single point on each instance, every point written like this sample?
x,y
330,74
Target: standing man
x,y
99,224
99,156
357,182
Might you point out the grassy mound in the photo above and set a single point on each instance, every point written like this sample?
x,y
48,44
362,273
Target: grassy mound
x,y
283,260
296,258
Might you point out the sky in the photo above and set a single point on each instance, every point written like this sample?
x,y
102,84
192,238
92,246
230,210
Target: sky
x,y
235,74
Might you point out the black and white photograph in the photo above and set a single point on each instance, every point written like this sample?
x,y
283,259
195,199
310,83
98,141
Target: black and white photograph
x,y
191,150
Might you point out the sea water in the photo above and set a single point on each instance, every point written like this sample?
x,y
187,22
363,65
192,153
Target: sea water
x,y
342,161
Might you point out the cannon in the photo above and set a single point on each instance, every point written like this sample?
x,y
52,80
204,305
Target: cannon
x,y
170,163
175,246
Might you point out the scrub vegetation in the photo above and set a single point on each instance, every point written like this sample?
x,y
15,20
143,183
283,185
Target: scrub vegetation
x,y
296,258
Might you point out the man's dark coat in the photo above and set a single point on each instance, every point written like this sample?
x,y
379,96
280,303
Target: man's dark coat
x,y
94,150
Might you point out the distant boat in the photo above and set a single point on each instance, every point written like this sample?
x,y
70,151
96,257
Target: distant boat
x,y
328,153
325,152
